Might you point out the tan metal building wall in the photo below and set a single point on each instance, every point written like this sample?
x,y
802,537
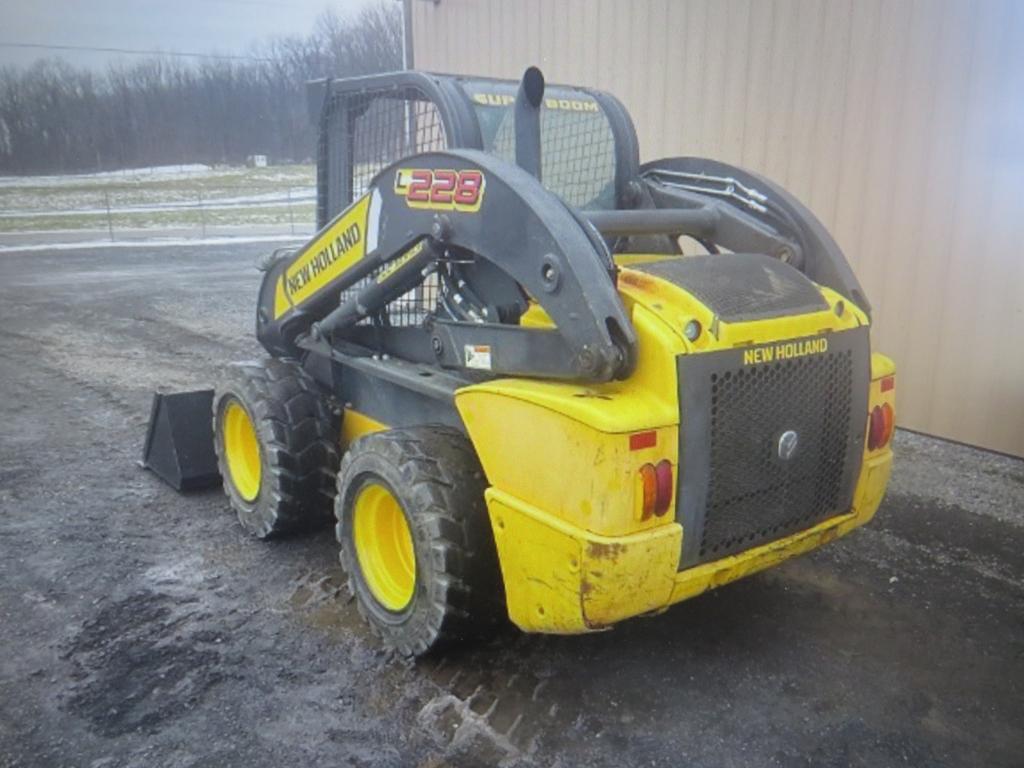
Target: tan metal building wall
x,y
900,123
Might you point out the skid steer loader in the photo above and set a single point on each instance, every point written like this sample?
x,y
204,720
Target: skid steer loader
x,y
522,371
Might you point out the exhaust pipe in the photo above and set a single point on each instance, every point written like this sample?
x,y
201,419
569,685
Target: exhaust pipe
x,y
527,121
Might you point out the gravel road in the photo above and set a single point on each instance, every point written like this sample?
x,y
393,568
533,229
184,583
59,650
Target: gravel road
x,y
142,628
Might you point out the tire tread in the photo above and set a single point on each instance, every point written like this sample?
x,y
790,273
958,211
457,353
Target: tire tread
x,y
299,439
442,475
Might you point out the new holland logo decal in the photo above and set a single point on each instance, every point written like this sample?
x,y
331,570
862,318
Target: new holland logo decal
x,y
785,350
441,190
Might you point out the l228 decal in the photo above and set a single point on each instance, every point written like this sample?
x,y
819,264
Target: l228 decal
x,y
441,190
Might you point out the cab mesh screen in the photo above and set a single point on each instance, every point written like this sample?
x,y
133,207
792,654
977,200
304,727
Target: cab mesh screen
x,y
578,160
370,131
364,132
577,155
387,126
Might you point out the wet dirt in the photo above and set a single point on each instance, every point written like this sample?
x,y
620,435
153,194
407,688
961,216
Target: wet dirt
x,y
139,627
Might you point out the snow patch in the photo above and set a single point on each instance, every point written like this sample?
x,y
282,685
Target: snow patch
x,y
149,173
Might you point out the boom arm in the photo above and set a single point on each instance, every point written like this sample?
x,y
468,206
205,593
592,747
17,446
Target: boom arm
x,y
742,211
493,221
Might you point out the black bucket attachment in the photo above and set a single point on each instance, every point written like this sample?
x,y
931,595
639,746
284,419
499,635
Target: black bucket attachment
x,y
179,441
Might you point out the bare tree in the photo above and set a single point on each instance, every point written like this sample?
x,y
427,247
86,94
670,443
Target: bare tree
x,y
56,119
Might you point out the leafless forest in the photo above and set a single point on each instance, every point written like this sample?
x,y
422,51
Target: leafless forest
x,y
55,118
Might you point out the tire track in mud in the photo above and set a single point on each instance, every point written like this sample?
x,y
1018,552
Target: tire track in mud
x,y
470,712
489,709
488,703
28,360
139,340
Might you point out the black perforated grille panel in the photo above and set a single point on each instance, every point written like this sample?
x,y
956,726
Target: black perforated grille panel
x,y
751,488
755,495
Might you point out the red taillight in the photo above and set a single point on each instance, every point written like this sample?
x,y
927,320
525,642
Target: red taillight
x,y
657,489
881,426
890,422
663,496
888,384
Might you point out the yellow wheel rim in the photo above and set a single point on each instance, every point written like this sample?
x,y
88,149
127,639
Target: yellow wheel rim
x,y
242,451
383,545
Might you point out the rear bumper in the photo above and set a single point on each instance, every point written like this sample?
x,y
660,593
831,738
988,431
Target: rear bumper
x,y
562,579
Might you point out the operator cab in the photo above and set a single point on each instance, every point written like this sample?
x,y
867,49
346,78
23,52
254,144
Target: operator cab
x,y
583,149
588,143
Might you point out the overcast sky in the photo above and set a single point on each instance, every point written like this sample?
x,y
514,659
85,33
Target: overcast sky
x,y
204,26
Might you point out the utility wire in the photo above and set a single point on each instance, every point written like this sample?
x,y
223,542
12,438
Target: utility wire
x,y
265,3
132,51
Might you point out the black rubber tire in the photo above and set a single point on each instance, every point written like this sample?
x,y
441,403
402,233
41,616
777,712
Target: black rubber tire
x,y
297,434
436,477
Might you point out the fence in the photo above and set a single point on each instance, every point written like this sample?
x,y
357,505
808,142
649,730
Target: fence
x,y
129,209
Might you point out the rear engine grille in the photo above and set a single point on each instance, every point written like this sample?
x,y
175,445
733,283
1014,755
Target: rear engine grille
x,y
749,490
754,495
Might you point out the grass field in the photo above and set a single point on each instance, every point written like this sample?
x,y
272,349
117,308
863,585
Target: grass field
x,y
192,196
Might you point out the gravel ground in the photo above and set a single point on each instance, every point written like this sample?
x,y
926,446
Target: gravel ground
x,y
142,628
